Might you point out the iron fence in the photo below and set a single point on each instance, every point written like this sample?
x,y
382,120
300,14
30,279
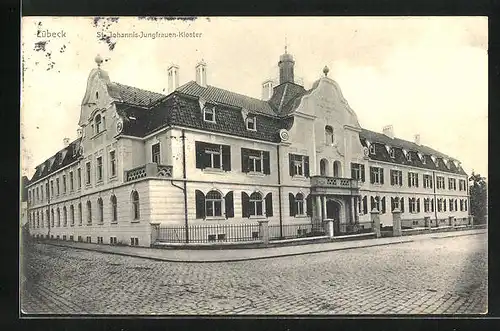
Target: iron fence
x,y
344,229
292,231
209,233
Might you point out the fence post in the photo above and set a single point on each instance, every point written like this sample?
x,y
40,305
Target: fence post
x,y
264,231
375,218
450,220
155,228
328,224
396,222
471,220
427,222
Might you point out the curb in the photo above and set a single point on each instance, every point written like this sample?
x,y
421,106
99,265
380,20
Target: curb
x,y
259,257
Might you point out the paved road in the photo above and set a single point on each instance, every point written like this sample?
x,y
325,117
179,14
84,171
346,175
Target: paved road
x,y
436,276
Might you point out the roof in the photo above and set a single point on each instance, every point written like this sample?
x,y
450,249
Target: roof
x,y
284,96
381,154
218,95
134,96
62,158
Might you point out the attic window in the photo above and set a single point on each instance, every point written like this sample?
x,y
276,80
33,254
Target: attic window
x,y
391,153
251,123
424,159
372,149
408,157
209,114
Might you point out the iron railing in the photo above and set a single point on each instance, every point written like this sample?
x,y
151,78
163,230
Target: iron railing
x,y
344,229
291,231
149,170
216,233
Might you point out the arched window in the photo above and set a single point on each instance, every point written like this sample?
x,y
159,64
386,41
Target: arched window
x,y
323,167
337,169
89,212
58,218
255,204
299,202
329,139
80,214
52,219
101,210
213,204
72,214
114,209
65,217
135,205
98,121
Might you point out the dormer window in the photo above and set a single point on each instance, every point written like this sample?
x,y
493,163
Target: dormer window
x,y
372,149
209,114
251,123
98,123
408,156
424,159
391,153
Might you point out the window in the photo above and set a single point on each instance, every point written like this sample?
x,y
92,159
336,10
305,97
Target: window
x,y
376,175
89,239
392,153
213,204
99,168
251,123
37,194
414,205
412,180
255,207
89,212
71,182
155,153
465,205
37,219
112,240
452,184
213,156
52,218
255,161
58,218
299,165
358,171
451,204
424,159
51,188
371,149
135,205
426,204
397,177
395,203
79,177
72,214
43,223
427,181
134,241
329,138
58,186
408,158
41,192
101,210
65,188
98,127
209,114
80,214
112,161
439,205
114,209
461,185
375,203
297,204
440,182
461,205
65,217
87,168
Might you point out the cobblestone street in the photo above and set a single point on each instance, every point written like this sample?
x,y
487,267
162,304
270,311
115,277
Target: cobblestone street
x,y
436,276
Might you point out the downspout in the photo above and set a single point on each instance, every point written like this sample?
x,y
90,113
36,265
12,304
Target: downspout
x,y
435,201
184,188
279,190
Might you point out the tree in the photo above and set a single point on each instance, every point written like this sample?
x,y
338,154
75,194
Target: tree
x,y
478,189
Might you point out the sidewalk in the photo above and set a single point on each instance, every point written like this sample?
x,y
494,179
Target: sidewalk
x,y
233,255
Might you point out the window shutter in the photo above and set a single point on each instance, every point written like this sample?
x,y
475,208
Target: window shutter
x,y
244,160
372,177
245,201
416,177
267,163
409,180
392,204
455,204
392,177
365,205
200,204
432,205
290,163
372,203
418,205
352,171
444,205
269,205
291,204
383,205
306,166
226,158
362,167
229,202
200,153
401,178
381,175
402,205
309,206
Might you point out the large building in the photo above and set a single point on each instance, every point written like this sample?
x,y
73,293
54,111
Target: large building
x,y
205,155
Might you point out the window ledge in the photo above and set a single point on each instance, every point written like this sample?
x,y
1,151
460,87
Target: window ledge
x,y
100,223
255,174
114,222
377,184
301,216
213,171
300,178
89,224
257,217
99,182
113,178
215,218
135,221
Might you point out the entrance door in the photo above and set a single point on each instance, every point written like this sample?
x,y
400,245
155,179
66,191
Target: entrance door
x,y
333,212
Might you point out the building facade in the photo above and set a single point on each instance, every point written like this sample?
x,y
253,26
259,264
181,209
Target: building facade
x,y
203,155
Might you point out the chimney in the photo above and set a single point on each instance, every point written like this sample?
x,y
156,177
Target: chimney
x,y
417,139
201,74
173,78
285,65
267,89
388,130
66,142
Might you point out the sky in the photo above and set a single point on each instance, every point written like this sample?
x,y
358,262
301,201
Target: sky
x,y
423,75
